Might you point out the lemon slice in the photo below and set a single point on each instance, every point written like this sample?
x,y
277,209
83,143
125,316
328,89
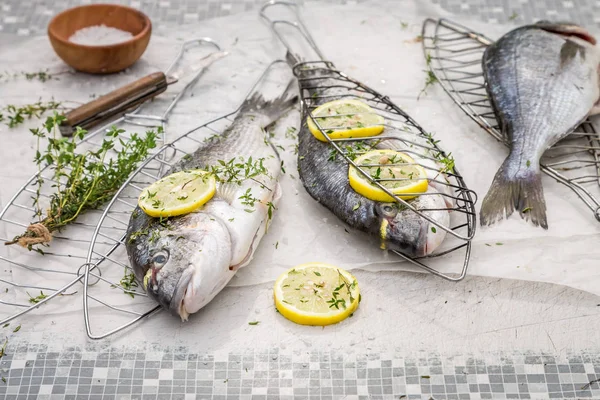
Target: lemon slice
x,y
179,193
316,294
345,119
388,164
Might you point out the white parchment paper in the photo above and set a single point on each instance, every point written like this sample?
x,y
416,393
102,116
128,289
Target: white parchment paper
x,y
370,43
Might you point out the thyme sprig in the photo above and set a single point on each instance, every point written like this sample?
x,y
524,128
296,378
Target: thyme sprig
x,y
42,76
81,181
13,115
335,301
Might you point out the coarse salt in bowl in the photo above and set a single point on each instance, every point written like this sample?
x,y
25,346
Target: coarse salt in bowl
x,y
100,38
99,35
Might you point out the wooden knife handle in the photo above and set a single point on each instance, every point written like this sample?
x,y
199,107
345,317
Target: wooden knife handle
x,y
115,102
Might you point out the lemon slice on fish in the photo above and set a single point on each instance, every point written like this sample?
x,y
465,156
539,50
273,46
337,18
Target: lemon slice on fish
x,y
345,118
177,194
316,294
396,171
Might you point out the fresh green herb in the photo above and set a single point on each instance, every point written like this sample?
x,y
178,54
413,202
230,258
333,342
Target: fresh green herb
x,y
276,246
13,115
513,16
4,379
83,181
317,273
254,323
135,235
128,283
433,229
238,170
377,174
528,163
499,244
17,329
404,25
332,154
356,206
270,208
526,210
37,299
430,79
42,76
248,199
231,219
282,167
290,133
5,325
3,349
425,377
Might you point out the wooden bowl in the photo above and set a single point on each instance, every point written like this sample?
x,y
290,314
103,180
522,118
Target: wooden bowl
x,y
102,59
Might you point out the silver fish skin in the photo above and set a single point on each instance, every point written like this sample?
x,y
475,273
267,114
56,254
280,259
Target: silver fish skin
x,y
542,81
390,225
187,260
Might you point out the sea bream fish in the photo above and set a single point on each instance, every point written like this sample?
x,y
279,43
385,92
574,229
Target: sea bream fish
x,y
185,261
542,80
325,177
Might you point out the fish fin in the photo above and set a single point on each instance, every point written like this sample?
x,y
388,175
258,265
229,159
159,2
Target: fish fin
x,y
522,191
271,109
566,29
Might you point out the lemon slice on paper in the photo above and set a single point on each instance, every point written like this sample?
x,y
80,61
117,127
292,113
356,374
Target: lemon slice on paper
x,y
316,294
388,164
345,119
177,194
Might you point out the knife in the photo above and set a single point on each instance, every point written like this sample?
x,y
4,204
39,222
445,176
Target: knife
x,y
123,99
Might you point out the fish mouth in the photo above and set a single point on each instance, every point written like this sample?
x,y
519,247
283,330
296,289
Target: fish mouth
x,y
177,303
392,240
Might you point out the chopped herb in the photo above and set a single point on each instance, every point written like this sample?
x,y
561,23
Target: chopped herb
x,y
430,79
128,281
404,25
499,244
513,16
17,329
290,133
356,206
37,299
3,349
231,219
433,229
7,324
528,163
254,323
526,210
276,245
317,273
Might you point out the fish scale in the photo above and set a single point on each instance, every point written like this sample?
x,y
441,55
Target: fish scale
x,y
185,261
542,81
390,224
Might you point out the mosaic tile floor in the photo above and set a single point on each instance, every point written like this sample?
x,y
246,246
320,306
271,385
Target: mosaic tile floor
x,y
177,373
96,372
27,17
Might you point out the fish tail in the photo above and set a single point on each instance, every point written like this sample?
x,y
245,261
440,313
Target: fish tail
x,y
522,191
271,109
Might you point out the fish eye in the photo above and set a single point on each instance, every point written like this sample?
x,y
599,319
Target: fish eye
x,y
389,210
160,259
